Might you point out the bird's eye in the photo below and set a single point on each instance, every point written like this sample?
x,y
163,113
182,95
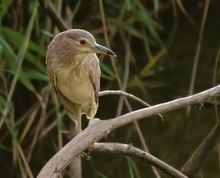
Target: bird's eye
x,y
82,42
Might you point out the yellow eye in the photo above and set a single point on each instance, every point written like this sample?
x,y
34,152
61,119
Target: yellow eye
x,y
82,42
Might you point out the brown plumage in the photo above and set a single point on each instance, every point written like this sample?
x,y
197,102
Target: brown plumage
x,y
74,71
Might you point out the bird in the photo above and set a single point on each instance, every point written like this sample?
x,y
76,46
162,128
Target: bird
x,y
74,71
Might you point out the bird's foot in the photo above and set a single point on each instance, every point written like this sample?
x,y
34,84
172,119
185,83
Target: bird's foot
x,y
86,154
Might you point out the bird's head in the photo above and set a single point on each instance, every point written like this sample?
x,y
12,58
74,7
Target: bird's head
x,y
85,43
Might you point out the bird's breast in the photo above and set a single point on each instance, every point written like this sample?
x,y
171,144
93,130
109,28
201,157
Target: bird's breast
x,y
74,83
75,86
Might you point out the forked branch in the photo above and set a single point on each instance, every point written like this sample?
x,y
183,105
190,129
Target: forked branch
x,y
101,128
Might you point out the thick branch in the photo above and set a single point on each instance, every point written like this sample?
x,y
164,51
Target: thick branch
x,y
129,150
99,129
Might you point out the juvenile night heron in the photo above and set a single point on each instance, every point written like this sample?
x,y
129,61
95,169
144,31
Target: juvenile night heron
x,y
74,71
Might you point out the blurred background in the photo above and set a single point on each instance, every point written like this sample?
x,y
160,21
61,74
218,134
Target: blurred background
x,y
165,50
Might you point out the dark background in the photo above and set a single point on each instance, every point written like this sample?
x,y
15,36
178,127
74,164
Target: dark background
x,y
156,43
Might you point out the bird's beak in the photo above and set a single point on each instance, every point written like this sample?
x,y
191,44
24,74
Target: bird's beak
x,y
99,49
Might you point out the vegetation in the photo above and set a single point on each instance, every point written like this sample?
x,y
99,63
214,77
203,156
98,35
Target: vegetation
x,y
165,50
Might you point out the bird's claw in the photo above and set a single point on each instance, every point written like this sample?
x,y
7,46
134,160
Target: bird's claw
x,y
86,154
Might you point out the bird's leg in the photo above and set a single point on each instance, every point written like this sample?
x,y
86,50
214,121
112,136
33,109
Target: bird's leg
x,y
93,109
79,129
79,126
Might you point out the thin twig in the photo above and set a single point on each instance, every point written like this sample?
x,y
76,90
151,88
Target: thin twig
x,y
45,4
195,161
207,145
128,95
120,92
25,161
129,150
108,44
126,41
196,59
121,85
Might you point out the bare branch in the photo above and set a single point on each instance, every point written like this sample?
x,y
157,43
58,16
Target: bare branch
x,y
45,4
196,160
120,92
129,150
128,95
99,129
141,137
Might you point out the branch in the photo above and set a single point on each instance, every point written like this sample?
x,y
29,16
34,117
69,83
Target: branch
x,y
101,128
120,92
45,4
129,150
128,95
196,160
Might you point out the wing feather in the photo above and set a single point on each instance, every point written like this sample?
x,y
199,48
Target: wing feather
x,y
69,106
94,76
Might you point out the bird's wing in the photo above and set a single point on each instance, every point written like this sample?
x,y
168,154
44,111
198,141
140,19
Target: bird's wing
x,y
94,75
68,105
51,58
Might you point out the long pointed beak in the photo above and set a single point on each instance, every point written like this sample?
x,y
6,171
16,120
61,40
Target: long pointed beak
x,y
99,49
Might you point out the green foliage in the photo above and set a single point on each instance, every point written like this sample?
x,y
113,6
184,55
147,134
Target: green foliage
x,y
155,43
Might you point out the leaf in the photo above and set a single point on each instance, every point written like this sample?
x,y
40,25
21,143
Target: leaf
x,y
152,62
106,68
29,123
101,175
151,24
35,61
21,53
130,29
142,16
156,6
17,38
4,103
25,80
7,48
128,4
33,74
5,4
